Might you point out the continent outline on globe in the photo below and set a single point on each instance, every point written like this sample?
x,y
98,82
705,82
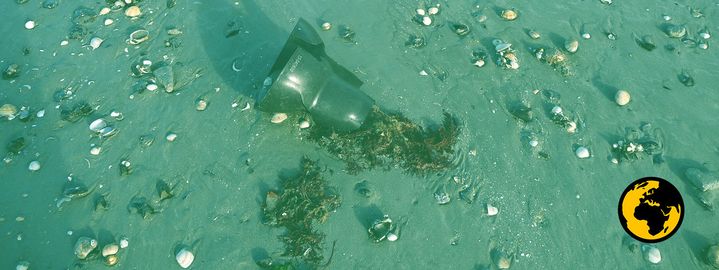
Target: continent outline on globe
x,y
651,209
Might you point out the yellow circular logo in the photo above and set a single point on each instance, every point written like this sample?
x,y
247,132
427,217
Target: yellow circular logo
x,y
651,209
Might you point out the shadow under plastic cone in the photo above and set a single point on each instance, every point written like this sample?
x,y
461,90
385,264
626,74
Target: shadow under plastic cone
x,y
304,78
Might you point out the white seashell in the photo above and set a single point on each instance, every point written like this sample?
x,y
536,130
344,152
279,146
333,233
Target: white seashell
x,y
40,114
64,43
491,210
557,110
95,150
502,46
171,137
184,258
533,143
124,243
151,87
513,65
304,124
667,18
622,97
34,166
278,118
29,25
426,20
105,11
479,63
98,125
705,35
392,237
325,26
433,10
572,127
110,249
582,152
108,22
421,12
96,42
423,73
22,266
201,105
504,263
108,131
571,45
652,254
586,36
703,46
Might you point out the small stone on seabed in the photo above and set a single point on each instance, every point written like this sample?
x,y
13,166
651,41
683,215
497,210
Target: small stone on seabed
x,y
34,165
278,118
582,152
622,97
491,210
184,258
171,137
29,25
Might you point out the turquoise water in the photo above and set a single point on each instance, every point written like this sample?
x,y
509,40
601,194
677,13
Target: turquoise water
x,y
558,212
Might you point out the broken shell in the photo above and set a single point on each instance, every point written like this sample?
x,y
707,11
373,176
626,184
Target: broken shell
x,y
95,150
110,249
108,131
326,26
84,246
571,45
278,118
138,36
534,34
98,125
622,97
201,105
184,258
509,14
491,210
34,166
96,42
651,254
502,46
111,260
133,11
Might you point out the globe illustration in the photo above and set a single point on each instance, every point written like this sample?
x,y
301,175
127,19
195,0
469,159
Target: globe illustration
x,y
651,209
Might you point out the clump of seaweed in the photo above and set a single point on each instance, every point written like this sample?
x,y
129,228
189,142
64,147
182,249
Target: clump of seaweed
x,y
304,200
390,139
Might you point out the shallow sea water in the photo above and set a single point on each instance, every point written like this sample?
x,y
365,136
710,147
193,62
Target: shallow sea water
x,y
555,213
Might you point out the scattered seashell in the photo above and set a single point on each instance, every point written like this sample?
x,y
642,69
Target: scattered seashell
x,y
151,87
557,110
95,150
98,125
426,20
326,26
34,166
110,249
533,143
421,12
96,42
502,47
201,105
675,31
171,137
509,14
491,210
504,263
572,127
29,25
64,43
479,63
392,237
124,243
105,11
703,46
667,18
84,246
304,124
586,36
582,152
111,260
108,21
433,10
22,266
651,254
8,110
184,258
133,11
278,118
571,45
40,114
138,36
622,97
107,131
705,35
534,34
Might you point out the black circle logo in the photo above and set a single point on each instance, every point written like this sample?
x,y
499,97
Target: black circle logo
x,y
651,209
